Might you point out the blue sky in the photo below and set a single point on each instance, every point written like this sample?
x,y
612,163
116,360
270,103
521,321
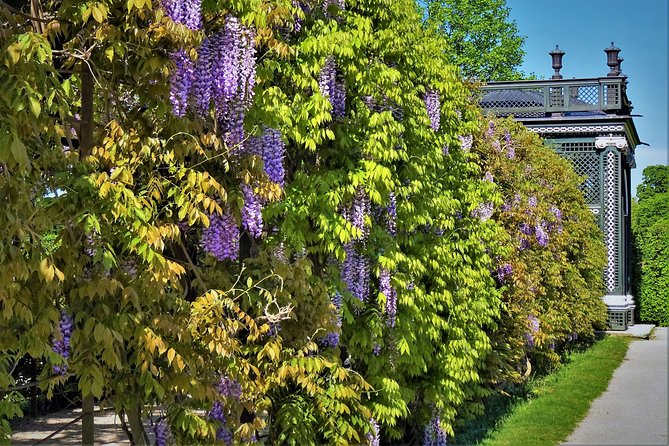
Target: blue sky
x,y
583,29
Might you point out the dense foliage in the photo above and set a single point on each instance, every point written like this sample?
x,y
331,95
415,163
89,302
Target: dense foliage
x,y
650,229
551,278
264,221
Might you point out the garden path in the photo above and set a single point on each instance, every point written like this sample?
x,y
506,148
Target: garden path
x,y
633,410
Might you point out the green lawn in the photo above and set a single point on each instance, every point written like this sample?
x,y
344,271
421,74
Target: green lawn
x,y
552,406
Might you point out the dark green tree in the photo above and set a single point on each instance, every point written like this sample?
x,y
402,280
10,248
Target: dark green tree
x,y
650,228
655,181
482,40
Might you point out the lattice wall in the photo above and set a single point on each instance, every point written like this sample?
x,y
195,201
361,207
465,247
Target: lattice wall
x,y
612,219
585,160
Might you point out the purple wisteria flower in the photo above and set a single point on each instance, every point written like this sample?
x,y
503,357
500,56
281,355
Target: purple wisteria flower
x,y
391,296
504,271
432,104
332,87
62,345
357,211
507,137
221,238
542,235
533,325
489,178
355,272
226,65
484,211
229,388
433,434
466,142
217,413
532,201
556,212
162,431
331,339
491,129
203,79
376,350
391,223
373,437
505,207
338,97
181,82
251,212
91,243
273,153
185,12
526,229
224,76
247,71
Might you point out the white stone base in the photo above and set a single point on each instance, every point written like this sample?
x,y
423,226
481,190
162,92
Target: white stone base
x,y
619,301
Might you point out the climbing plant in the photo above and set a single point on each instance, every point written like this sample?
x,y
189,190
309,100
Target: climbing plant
x,y
272,221
263,217
551,277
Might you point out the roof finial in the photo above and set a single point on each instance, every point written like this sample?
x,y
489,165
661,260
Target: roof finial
x,y
612,60
557,54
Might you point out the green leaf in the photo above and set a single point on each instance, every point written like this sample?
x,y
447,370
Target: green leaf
x,y
35,106
19,153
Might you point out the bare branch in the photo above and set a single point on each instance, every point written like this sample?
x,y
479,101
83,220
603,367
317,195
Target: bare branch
x,y
23,14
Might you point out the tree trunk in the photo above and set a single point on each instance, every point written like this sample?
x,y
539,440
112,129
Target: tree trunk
x,y
87,421
137,427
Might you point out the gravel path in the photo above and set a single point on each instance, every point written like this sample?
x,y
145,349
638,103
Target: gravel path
x,y
34,431
633,410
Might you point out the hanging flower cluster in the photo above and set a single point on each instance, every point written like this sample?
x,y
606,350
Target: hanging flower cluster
x,y
272,149
432,104
162,431
62,345
433,434
533,325
332,87
503,271
251,212
373,438
181,82
221,238
484,211
185,12
217,413
466,142
355,269
229,388
510,150
391,296
391,209
222,77
355,272
542,235
273,153
357,211
331,339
